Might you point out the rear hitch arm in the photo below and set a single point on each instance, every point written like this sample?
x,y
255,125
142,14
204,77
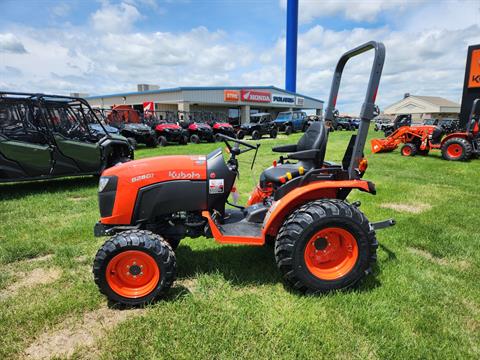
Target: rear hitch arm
x,y
383,224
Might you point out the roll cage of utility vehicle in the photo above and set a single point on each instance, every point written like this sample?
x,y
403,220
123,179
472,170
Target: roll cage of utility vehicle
x,y
45,136
322,242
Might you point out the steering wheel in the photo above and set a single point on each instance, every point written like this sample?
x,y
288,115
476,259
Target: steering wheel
x,y
235,149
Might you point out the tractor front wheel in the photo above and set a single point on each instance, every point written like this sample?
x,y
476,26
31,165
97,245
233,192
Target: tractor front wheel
x,y
134,267
325,245
457,149
409,149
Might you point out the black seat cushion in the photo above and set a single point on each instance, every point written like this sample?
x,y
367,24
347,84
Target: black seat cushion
x,y
315,138
274,173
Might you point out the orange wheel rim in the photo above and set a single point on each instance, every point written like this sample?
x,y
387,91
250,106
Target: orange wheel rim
x,y
454,150
132,274
407,151
331,253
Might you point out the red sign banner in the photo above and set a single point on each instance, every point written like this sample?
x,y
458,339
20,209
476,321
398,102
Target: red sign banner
x,y
231,95
148,106
256,96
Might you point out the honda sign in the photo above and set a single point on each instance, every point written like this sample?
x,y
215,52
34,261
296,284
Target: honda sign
x,y
256,96
148,107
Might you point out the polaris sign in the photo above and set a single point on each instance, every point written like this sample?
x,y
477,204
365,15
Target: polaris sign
x,y
283,99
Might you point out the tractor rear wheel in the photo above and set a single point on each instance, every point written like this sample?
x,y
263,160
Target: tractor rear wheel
x,y
457,149
409,149
134,267
325,245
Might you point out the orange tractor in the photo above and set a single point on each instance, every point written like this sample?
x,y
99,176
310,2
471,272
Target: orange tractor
x,y
457,146
322,241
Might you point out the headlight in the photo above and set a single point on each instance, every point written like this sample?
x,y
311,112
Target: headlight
x,y
102,183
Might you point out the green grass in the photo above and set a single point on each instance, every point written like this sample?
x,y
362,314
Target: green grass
x,y
229,302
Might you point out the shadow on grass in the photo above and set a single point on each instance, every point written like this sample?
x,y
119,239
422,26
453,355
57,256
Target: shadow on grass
x,y
10,191
241,265
246,266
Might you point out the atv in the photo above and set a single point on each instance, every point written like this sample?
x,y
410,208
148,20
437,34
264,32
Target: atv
x,y
47,136
322,242
128,122
165,124
220,126
198,129
260,124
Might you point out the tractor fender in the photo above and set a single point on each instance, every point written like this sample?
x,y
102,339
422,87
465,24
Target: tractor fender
x,y
280,209
455,135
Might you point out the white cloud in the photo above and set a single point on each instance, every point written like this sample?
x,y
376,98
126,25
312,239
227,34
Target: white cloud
x,y
110,57
115,18
9,43
356,10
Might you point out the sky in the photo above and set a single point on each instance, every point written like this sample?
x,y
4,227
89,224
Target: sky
x,y
108,46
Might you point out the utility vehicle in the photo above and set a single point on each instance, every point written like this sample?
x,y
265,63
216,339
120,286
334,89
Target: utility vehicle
x,y
196,125
260,124
46,136
322,242
218,121
291,121
342,123
165,124
128,121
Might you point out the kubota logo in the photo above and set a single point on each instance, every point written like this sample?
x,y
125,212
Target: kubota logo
x,y
476,78
184,175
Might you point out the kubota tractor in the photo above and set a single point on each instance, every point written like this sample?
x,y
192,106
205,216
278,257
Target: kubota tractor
x,y
322,241
457,146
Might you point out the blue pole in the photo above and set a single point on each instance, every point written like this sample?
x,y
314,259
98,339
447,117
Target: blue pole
x,y
291,54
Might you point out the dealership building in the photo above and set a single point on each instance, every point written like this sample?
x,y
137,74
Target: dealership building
x,y
236,102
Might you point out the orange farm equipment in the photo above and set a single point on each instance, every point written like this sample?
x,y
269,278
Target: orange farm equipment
x,y
458,146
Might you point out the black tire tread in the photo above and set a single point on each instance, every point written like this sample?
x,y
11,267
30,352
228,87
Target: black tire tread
x,y
138,239
301,219
467,149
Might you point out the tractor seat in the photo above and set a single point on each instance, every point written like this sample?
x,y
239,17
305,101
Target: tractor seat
x,y
309,151
437,135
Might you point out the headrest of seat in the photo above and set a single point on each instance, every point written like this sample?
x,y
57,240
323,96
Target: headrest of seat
x,y
314,138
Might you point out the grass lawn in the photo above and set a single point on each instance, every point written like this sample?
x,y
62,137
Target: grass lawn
x,y
229,302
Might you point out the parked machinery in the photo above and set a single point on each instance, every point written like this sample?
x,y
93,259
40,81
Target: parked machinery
x,y
195,122
322,242
260,124
218,121
457,146
46,136
167,129
129,122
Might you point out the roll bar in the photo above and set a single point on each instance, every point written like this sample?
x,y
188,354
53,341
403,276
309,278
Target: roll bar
x,y
368,108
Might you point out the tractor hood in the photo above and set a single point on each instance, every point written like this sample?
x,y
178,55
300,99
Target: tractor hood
x,y
161,168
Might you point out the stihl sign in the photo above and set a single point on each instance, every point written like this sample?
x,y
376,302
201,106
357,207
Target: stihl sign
x,y
231,95
256,96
